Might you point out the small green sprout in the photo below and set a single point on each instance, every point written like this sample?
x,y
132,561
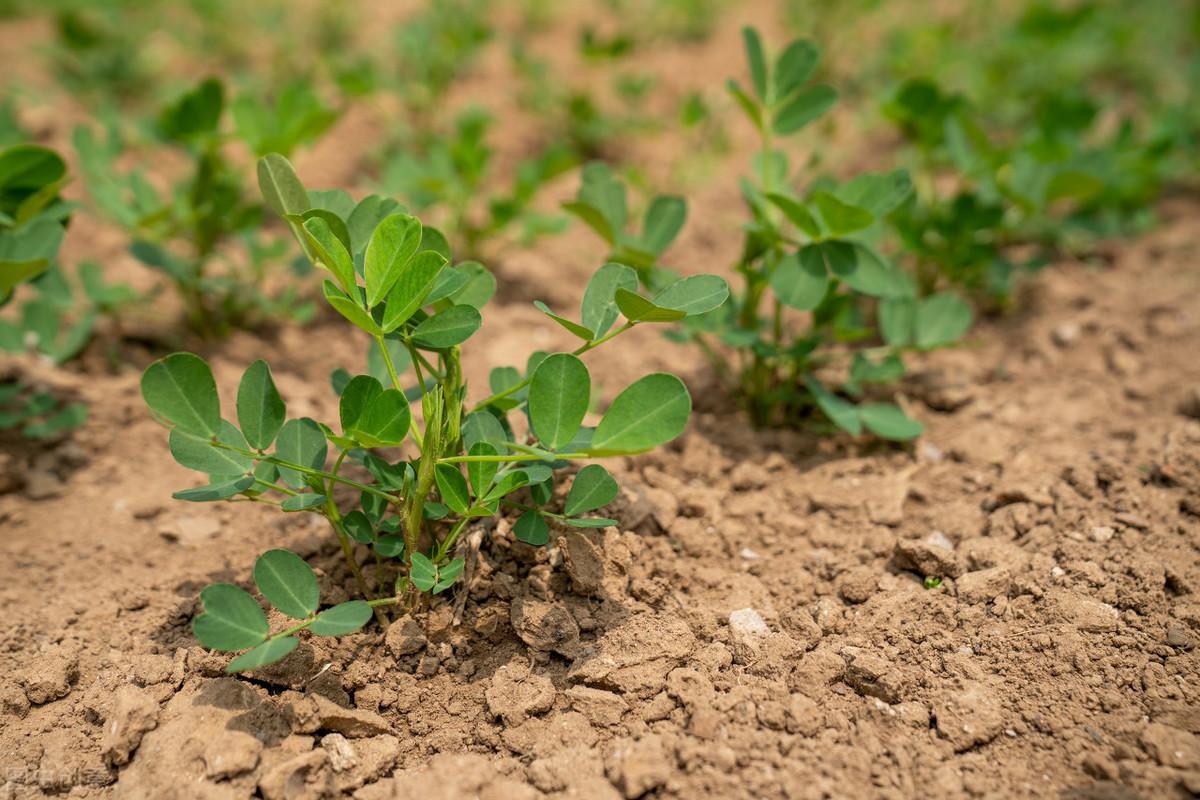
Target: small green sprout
x,y
931,582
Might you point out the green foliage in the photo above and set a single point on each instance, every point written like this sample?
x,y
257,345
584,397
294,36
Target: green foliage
x,y
601,204
420,307
187,233
452,173
233,620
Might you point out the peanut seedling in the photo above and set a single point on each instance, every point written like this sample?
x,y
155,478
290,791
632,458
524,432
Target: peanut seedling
x,y
394,279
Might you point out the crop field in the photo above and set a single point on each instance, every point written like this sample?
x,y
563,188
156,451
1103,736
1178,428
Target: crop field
x,y
615,399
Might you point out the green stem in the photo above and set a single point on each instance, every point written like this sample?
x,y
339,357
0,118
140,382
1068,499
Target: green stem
x,y
375,604
503,459
387,361
444,547
316,473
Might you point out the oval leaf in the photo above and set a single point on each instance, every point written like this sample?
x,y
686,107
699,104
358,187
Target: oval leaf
x,y
558,399
447,328
531,528
260,409
800,280
200,454
889,421
385,421
266,653
342,619
181,390
698,294
282,191
599,308
651,411
453,488
593,487
392,246
411,288
638,309
232,619
287,582
301,442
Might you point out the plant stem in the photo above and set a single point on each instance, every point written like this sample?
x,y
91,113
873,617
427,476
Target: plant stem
x,y
444,547
375,604
502,459
316,473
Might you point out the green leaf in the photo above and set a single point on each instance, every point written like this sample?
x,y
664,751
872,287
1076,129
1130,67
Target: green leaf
x,y
287,582
590,522
879,194
330,252
342,619
842,413
448,328
601,190
199,454
260,409
573,327
638,309
839,217
531,528
889,421
180,389
558,399
215,491
393,245
377,367
453,488
794,66
349,309
365,217
479,287
751,108
698,294
390,546
232,619
508,483
796,213
301,442
356,397
664,220
482,473
303,502
265,654
385,420
197,112
805,107
482,426
593,218
799,280
864,270
593,487
756,60
940,320
413,285
651,411
896,317
422,572
282,191
359,526
599,308
448,574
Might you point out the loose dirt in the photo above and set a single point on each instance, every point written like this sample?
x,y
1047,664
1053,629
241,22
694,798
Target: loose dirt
x,y
756,626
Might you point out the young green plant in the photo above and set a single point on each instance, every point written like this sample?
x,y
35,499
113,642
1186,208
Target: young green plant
x,y
395,280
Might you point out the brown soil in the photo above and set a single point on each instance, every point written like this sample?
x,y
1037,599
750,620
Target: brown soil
x,y
755,627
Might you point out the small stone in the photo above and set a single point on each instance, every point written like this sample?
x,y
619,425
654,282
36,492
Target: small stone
x,y
748,476
858,584
1092,616
405,638
602,708
1171,747
1179,636
429,664
968,717
134,713
342,757
803,716
1102,533
983,585
545,626
50,677
926,559
305,776
314,713
639,766
230,754
1066,334
515,694
871,675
